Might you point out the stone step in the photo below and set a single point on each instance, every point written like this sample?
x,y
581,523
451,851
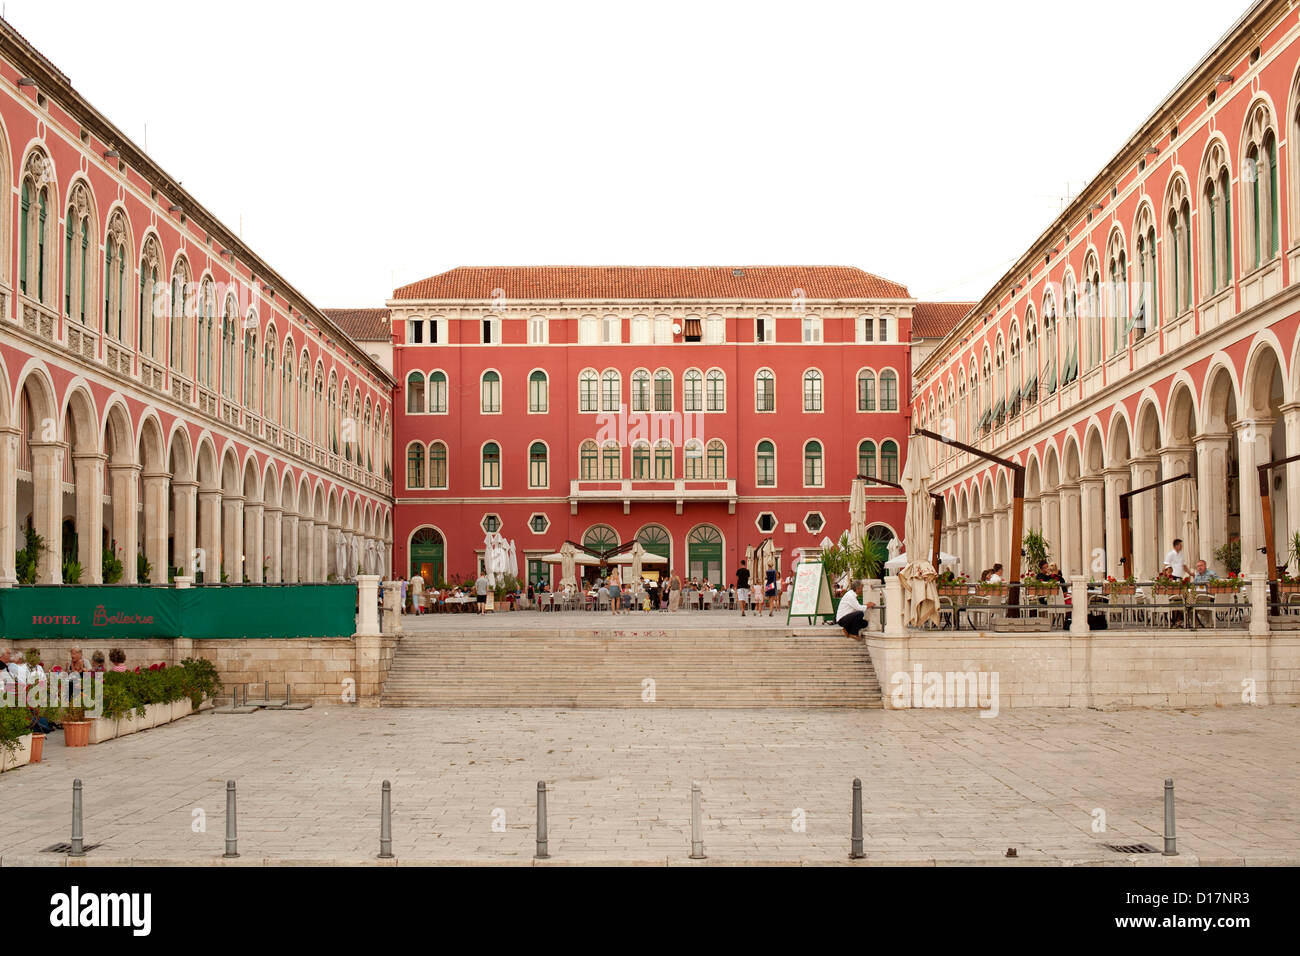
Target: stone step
x,y
573,669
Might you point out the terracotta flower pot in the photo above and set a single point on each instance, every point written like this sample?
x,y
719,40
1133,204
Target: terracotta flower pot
x,y
38,748
76,733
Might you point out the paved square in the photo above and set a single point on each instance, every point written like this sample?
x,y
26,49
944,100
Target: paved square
x,y
939,786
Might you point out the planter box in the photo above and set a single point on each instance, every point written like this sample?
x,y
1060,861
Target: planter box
x,y
157,715
208,704
102,729
182,708
1121,590
21,757
129,724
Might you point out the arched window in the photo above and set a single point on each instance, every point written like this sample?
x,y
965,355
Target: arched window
x,y
813,475
888,391
438,465
1013,400
229,361
611,462
539,398
717,390
663,391
611,391
250,369
812,390
986,391
962,420
692,391
1178,219
866,390
346,428
1262,230
1070,332
38,231
716,469
269,403
302,417
438,393
1216,220
641,461
1031,357
663,461
490,394
764,391
116,257
889,461
588,461
538,473
588,391
415,393
976,410
320,421
415,466
149,331
490,475
181,309
1049,344
867,459
640,390
765,465
286,389
694,460
79,257
1000,382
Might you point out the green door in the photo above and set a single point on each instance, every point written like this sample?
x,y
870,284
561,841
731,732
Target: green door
x,y
704,554
427,553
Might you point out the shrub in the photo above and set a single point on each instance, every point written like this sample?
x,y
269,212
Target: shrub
x,y
112,567
28,559
14,723
71,571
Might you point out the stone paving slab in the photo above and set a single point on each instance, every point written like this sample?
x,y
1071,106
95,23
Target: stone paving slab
x,y
607,621
940,787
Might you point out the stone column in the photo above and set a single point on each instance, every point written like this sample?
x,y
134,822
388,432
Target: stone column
x,y
185,515
1212,499
367,604
1176,460
306,549
329,552
1034,515
232,538
89,470
1253,448
1051,504
47,508
209,537
1071,530
1092,499
126,515
9,438
1142,519
1117,482
254,544
289,547
271,519
1290,479
155,525
999,542
987,546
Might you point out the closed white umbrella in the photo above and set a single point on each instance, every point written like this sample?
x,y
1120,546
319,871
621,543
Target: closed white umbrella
x,y
920,594
858,513
1191,522
341,557
514,561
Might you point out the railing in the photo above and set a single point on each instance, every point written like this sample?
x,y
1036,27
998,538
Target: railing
x,y
1145,606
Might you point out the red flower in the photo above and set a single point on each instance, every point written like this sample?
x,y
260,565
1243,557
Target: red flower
x,y
137,670
56,669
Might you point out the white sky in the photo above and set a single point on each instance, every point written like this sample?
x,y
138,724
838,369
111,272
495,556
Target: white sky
x,y
366,145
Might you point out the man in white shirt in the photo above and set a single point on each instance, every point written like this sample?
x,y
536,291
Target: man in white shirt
x,y
1176,560
851,615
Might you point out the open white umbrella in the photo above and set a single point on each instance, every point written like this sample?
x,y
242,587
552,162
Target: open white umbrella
x,y
858,513
920,594
897,564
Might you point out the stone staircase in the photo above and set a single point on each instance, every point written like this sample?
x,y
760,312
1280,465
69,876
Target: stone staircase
x,y
588,669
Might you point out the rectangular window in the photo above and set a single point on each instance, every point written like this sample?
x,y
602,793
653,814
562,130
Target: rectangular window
x,y
765,395
641,330
717,393
715,330
663,464
641,463
491,471
588,391
766,475
438,393
612,463
866,393
867,329
663,330
884,330
491,395
812,329
611,330
415,332
888,393
812,471
588,330
694,464
588,463
663,394
537,472
537,395
762,330
433,331
537,331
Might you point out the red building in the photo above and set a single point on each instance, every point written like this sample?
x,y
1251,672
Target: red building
x,y
701,410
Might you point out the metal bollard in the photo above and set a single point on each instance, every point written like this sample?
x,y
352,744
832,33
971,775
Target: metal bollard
x,y
697,829
855,843
543,849
78,845
386,822
266,691
232,835
1171,841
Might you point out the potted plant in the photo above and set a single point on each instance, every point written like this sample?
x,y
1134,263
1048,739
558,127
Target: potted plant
x,y
1035,588
1288,583
952,585
15,738
1229,585
1036,551
1166,583
1293,551
1125,586
113,569
76,728
27,561
1230,556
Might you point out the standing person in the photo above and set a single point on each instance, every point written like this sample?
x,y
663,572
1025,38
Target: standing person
x,y
481,590
770,591
1176,560
403,595
417,593
615,594
674,593
742,587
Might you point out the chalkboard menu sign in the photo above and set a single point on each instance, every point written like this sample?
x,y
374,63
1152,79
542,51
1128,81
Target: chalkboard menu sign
x,y
811,593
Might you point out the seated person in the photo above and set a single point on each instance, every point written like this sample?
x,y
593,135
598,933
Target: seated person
x,y
97,662
995,574
1203,574
851,615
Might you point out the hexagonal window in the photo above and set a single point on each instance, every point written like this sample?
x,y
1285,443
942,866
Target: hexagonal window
x,y
490,523
539,523
814,521
766,522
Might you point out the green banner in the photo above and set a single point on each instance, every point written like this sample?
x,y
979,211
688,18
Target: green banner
x,y
215,613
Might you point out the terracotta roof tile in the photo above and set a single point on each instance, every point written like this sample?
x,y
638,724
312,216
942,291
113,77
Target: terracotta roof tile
x,y
653,282
934,320
362,325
